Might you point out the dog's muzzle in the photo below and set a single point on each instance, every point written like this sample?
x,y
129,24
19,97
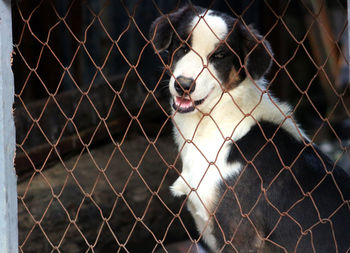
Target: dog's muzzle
x,y
184,85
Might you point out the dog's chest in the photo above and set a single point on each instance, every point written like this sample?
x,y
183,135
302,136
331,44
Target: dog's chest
x,y
204,149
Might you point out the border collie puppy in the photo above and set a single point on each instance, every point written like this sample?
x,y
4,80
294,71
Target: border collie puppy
x,y
253,180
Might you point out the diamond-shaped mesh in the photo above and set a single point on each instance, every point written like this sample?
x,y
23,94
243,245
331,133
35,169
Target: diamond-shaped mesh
x,y
95,155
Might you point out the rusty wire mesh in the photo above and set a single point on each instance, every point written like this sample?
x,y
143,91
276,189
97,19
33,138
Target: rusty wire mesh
x,y
87,196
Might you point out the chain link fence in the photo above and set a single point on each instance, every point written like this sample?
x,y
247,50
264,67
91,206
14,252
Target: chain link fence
x,y
95,155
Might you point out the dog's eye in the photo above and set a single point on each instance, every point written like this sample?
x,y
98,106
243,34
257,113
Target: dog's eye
x,y
181,50
219,55
184,48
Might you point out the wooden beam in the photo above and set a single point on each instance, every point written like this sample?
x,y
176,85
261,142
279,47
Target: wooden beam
x,y
41,117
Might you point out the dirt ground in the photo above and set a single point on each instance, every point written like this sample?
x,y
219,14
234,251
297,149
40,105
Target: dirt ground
x,y
105,200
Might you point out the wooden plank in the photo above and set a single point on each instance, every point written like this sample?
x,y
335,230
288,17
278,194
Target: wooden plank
x,y
34,150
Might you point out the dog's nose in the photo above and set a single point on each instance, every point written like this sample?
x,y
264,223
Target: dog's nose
x,y
184,85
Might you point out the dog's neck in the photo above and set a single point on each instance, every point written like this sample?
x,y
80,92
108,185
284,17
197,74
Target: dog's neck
x,y
232,113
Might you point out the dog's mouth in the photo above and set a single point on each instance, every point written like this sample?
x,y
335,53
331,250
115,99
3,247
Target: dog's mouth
x,y
185,105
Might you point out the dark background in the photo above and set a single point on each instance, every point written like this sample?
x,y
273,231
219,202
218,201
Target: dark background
x,y
89,86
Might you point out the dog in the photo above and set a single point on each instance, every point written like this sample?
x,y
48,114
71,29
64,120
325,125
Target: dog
x,y
253,180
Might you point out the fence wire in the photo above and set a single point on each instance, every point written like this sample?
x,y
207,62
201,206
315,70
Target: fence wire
x,y
84,79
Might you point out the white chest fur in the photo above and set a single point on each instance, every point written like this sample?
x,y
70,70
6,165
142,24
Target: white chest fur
x,y
204,150
204,144
203,168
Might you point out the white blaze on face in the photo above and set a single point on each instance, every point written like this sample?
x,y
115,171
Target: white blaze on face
x,y
207,32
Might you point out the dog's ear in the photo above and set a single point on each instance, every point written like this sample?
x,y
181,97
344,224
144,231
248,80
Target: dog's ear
x,y
163,28
257,52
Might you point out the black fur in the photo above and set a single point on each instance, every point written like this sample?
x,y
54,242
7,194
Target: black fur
x,y
246,48
288,170
243,46
173,26
257,52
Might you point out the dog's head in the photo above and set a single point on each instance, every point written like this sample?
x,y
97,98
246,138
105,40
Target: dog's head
x,y
209,53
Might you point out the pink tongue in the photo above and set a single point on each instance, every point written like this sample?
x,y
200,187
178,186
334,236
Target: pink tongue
x,y
183,102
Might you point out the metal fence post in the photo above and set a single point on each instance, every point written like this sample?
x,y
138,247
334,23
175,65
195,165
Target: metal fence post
x,y
8,184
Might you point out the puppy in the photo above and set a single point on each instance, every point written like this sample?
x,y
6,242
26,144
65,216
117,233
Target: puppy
x,y
254,182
